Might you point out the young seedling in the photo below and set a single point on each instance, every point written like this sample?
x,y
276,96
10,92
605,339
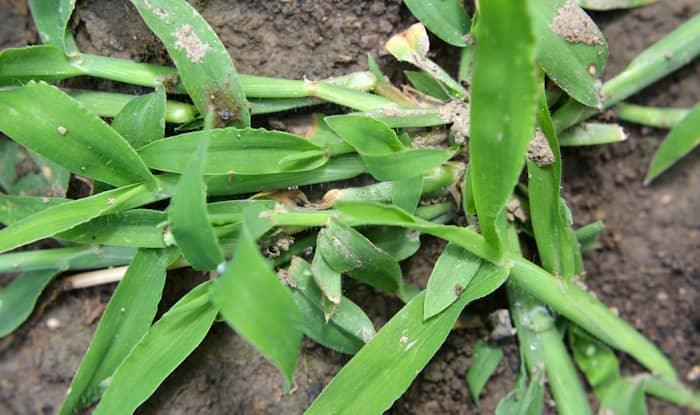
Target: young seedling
x,y
232,202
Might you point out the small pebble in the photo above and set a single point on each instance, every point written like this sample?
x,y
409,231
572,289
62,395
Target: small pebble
x,y
53,323
693,374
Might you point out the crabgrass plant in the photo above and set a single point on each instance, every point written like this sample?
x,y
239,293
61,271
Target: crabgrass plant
x,y
276,260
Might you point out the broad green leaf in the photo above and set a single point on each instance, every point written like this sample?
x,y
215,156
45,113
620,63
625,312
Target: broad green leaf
x,y
447,19
35,63
51,18
203,64
426,84
44,177
592,133
625,397
253,302
18,298
140,228
502,114
570,48
382,370
484,362
554,237
597,362
683,138
65,259
525,398
67,215
236,151
142,120
367,135
402,164
396,241
347,251
189,221
127,317
63,131
161,350
337,168
326,278
347,330
406,193
613,4
453,271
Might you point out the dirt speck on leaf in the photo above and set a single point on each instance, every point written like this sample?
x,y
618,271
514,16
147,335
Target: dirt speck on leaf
x,y
186,39
573,25
457,112
539,150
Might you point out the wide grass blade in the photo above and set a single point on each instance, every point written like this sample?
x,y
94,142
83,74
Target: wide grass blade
x,y
347,330
126,319
65,216
447,19
525,398
453,271
236,151
254,302
51,18
625,397
15,208
592,133
502,115
396,241
36,63
406,193
110,104
140,228
427,84
166,344
65,132
326,278
189,221
484,362
18,298
613,4
650,116
570,48
382,370
66,259
682,139
203,64
142,120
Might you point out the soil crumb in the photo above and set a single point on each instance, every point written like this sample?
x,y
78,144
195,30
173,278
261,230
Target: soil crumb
x,y
188,40
458,113
573,25
539,150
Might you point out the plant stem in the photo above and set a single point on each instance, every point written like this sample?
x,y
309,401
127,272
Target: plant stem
x,y
651,116
109,104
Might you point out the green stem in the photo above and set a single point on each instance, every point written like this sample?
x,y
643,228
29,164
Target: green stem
x,y
651,116
660,59
109,104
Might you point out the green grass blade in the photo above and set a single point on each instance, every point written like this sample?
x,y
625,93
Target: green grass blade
x,y
127,317
402,164
625,397
395,241
65,132
142,120
613,4
326,278
406,193
426,84
51,18
65,216
672,391
368,136
570,48
597,362
47,179
17,299
349,252
484,362
650,116
204,65
258,307
682,139
139,228
36,63
15,208
236,151
66,259
525,398
453,271
382,370
447,19
346,331
166,344
502,116
110,104
189,220
588,235
591,133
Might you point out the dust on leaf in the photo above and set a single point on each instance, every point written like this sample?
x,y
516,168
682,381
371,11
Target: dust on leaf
x,y
539,150
573,25
186,39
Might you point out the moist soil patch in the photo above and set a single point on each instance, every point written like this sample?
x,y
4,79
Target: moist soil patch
x,y
647,268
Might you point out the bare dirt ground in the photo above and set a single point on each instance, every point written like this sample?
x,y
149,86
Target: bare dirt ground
x,y
647,268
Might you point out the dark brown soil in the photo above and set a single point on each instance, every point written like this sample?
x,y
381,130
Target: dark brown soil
x,y
647,269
